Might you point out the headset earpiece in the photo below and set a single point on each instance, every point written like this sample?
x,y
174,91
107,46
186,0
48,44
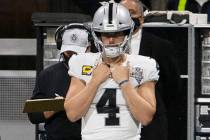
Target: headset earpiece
x,y
58,36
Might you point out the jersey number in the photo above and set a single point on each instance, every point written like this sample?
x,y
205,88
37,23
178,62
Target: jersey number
x,y
111,108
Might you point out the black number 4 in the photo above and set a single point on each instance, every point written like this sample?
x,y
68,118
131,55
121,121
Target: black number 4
x,y
111,108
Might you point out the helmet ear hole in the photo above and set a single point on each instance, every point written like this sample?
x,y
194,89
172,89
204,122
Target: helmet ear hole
x,y
126,32
98,34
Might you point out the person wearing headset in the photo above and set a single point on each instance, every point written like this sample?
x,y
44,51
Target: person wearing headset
x,y
54,81
113,92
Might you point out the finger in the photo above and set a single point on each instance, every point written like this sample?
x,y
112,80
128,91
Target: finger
x,y
110,75
112,65
112,69
108,65
95,66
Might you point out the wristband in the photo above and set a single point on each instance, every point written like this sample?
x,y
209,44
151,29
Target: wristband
x,y
123,82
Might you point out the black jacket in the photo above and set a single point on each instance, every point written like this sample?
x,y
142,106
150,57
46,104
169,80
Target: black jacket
x,y
163,52
167,86
55,79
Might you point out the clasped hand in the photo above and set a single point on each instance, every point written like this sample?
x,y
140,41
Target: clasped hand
x,y
117,71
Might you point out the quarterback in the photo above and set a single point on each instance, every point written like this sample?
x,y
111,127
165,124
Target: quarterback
x,y
113,92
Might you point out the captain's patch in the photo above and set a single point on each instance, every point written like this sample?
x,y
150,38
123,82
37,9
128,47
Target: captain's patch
x,y
86,70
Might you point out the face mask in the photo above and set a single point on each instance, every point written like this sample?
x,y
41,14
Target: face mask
x,y
137,24
112,52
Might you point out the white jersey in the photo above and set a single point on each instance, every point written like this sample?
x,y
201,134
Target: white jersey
x,y
108,117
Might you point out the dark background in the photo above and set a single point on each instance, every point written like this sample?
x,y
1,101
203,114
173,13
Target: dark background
x,y
15,15
15,22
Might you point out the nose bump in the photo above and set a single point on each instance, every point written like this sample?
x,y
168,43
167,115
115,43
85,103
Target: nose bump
x,y
111,39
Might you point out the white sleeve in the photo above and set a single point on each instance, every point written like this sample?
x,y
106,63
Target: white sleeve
x,y
80,66
152,71
73,66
